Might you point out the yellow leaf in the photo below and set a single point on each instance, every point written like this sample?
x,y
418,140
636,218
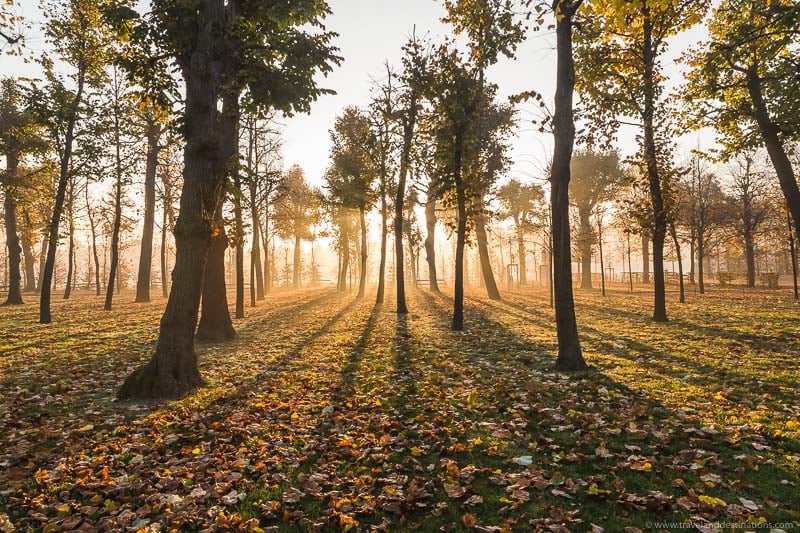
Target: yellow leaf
x,y
416,452
196,451
710,500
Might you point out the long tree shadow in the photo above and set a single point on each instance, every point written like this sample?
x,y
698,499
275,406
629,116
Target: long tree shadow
x,y
346,386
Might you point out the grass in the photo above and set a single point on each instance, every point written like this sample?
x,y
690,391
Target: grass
x,y
330,413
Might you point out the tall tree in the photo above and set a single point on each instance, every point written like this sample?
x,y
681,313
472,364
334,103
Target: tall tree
x,y
522,203
594,176
271,46
79,36
743,83
296,210
619,53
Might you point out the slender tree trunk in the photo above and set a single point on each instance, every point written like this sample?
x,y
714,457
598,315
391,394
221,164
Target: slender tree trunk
x,y
42,259
656,197
523,263
430,240
14,296
483,247
645,258
777,153
384,234
362,282
143,281
587,234
173,371
45,316
164,287
112,275
26,241
255,251
71,248
296,263
345,248
570,357
701,256
630,265
793,253
399,202
676,242
602,264
692,258
239,236
461,235
750,259
265,240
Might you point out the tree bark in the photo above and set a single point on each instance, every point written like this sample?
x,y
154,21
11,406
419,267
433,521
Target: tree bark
x,y
750,259
570,357
430,240
296,262
143,280
71,248
14,296
384,234
112,274
483,247
399,201
523,263
676,242
215,318
586,247
173,371
701,255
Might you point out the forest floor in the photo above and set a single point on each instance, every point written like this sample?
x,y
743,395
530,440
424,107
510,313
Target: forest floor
x,y
327,412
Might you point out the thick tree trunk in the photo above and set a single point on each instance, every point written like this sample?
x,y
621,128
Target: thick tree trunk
x,y
215,318
430,240
777,153
14,296
143,280
173,371
570,357
362,281
483,247
461,236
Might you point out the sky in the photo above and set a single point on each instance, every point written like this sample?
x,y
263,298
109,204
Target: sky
x,y
372,32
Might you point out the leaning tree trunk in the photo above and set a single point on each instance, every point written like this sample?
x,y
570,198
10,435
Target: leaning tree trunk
x,y
173,370
362,281
146,252
12,235
430,240
570,357
483,247
602,264
461,235
586,234
384,234
215,319
654,179
112,273
777,153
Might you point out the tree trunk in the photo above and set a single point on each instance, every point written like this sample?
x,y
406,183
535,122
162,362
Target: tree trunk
x,y
14,296
362,281
430,240
265,240
255,251
42,260
587,235
26,241
523,263
692,258
384,234
777,153
676,242
645,258
602,264
112,274
239,239
483,247
45,316
164,288
399,202
296,263
173,371
215,319
71,249
630,265
701,253
143,280
750,258
344,245
793,254
654,179
570,357
461,236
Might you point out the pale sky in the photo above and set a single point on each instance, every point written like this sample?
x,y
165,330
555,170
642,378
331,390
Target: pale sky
x,y
372,32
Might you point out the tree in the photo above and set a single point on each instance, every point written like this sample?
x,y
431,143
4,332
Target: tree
x,y
594,177
570,357
267,45
296,210
743,83
19,136
351,180
618,53
79,35
747,198
522,203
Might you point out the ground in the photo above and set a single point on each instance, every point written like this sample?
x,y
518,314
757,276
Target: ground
x,y
327,412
